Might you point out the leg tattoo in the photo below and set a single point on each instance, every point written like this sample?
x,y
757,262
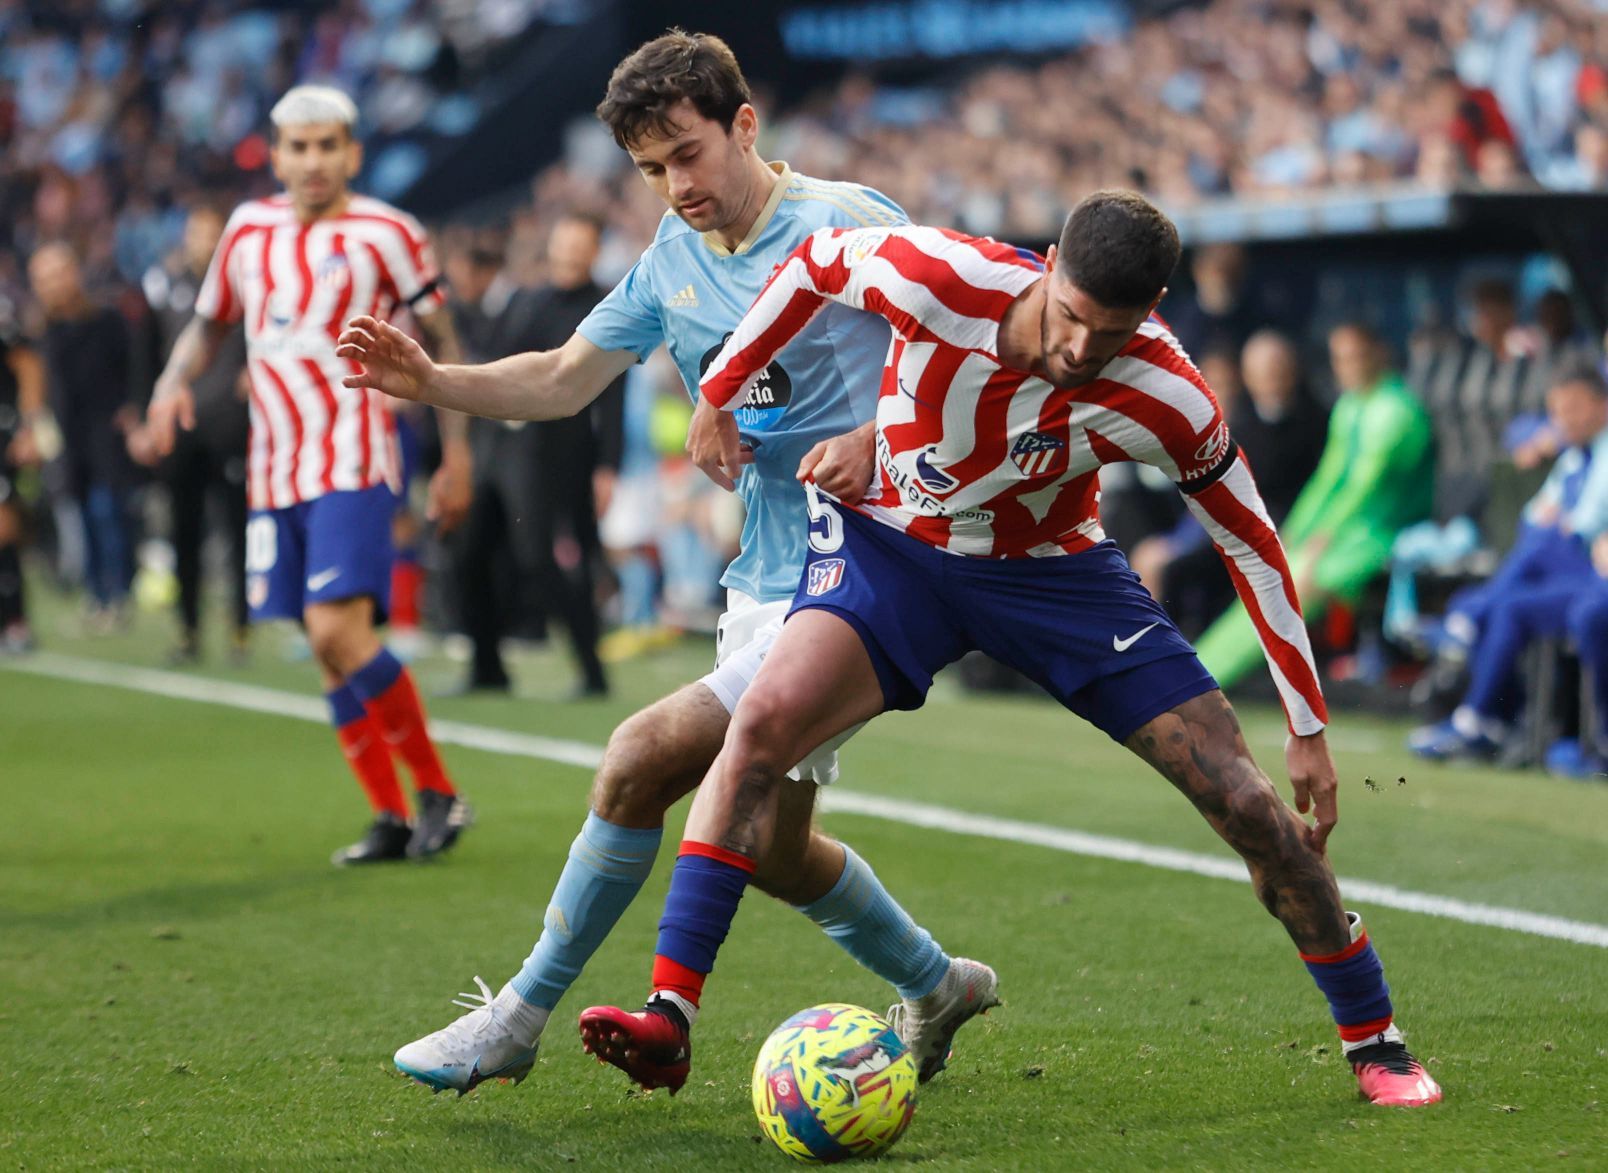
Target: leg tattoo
x,y
1199,748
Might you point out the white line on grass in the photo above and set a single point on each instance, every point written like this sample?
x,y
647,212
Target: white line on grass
x,y
836,799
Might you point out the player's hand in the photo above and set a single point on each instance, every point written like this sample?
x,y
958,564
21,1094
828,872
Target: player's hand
x,y
172,407
392,362
23,451
1599,554
141,445
451,488
1317,789
714,445
843,466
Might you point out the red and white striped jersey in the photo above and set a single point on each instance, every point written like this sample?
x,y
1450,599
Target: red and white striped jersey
x,y
295,285
984,461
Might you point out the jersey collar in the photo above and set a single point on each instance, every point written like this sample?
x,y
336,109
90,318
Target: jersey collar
x,y
784,175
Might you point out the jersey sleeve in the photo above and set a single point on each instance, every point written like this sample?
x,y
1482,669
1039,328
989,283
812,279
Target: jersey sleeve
x,y
1231,510
628,318
219,296
411,265
931,285
1182,431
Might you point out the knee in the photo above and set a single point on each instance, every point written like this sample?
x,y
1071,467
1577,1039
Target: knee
x,y
338,646
763,728
633,786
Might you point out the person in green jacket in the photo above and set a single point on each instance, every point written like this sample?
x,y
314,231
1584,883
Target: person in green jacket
x,y
1376,477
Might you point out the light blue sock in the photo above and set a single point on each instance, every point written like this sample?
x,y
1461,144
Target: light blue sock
x,y
860,915
607,867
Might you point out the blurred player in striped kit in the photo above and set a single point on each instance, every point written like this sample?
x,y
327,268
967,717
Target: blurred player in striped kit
x,y
323,464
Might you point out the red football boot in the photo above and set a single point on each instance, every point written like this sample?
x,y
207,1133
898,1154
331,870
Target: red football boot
x,y
1388,1074
652,1046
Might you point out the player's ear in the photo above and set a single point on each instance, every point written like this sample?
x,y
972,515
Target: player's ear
x,y
354,157
1049,260
745,125
273,159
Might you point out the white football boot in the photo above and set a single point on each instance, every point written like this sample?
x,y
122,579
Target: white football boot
x,y
483,1044
927,1025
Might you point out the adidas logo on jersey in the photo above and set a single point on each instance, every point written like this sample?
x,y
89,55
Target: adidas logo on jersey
x,y
683,299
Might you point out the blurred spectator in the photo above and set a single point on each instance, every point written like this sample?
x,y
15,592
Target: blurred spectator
x,y
1554,331
1278,423
1468,115
89,372
22,443
1218,312
1279,427
1547,586
208,462
1492,315
1585,168
1374,478
543,483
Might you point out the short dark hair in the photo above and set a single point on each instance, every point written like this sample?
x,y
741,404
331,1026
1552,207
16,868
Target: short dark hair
x,y
697,67
1359,327
1119,248
1586,374
1493,291
582,216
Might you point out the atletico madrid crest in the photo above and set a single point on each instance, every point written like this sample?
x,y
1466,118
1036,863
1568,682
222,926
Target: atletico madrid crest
x,y
824,576
1033,452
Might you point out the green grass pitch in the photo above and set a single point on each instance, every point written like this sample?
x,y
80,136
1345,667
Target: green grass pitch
x,y
184,981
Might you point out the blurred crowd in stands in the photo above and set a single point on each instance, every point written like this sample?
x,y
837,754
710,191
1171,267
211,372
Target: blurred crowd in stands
x,y
1398,476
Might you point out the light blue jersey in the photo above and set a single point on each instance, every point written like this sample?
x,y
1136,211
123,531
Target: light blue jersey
x,y
689,292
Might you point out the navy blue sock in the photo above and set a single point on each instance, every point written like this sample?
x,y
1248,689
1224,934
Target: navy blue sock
x,y
1353,980
705,888
372,680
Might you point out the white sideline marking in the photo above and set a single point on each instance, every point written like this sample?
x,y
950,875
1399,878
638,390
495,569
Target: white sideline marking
x,y
834,799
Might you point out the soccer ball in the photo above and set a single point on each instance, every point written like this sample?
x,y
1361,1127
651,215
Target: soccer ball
x,y
834,1082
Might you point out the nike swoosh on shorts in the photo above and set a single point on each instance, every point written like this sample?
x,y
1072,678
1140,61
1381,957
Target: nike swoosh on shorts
x,y
1123,645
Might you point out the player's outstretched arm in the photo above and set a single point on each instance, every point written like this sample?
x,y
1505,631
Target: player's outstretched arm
x,y
536,385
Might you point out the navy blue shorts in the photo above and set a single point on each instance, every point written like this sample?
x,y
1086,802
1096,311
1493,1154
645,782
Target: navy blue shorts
x,y
1081,626
333,547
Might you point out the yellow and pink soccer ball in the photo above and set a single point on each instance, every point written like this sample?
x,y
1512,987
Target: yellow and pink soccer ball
x,y
834,1082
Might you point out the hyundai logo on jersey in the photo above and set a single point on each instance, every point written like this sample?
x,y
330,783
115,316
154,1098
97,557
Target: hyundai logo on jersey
x,y
825,576
1033,452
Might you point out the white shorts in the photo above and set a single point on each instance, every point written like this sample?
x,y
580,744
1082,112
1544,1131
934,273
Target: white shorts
x,y
743,637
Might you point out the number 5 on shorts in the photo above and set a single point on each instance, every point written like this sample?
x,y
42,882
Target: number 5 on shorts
x,y
826,524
